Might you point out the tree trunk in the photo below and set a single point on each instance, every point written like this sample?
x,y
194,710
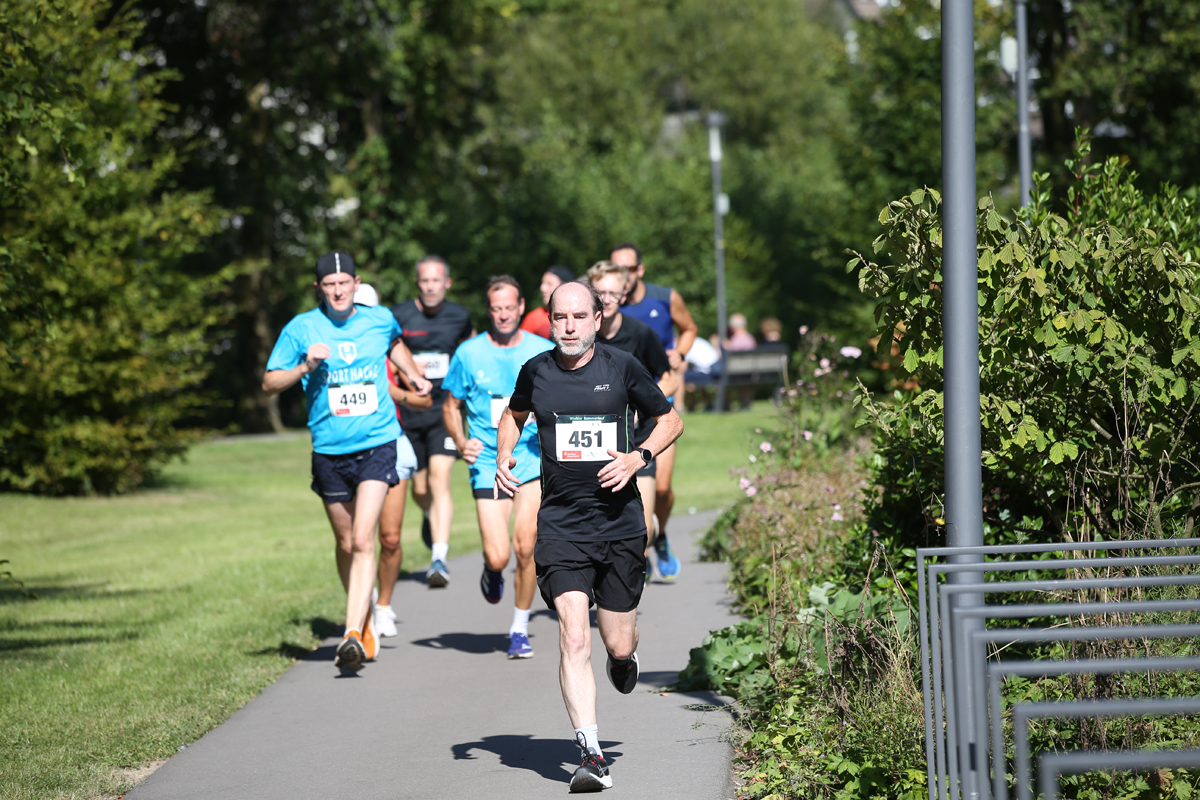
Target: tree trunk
x,y
257,413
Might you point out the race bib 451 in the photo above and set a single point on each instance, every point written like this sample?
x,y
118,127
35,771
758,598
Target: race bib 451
x,y
585,438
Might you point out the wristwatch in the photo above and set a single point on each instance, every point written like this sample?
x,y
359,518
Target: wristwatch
x,y
646,455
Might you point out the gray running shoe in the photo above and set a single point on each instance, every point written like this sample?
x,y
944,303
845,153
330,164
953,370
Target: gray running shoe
x,y
437,576
350,654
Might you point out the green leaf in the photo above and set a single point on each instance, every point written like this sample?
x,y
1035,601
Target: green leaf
x,y
1056,453
911,360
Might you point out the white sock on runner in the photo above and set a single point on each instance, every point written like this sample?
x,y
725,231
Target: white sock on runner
x,y
520,622
591,735
440,551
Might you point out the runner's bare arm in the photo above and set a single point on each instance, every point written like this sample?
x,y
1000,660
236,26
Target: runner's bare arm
x,y
452,417
687,329
401,356
278,380
507,436
668,384
402,393
618,472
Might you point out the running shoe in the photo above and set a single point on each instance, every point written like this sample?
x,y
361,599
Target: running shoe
x,y
437,576
668,564
491,583
518,646
370,641
592,775
385,620
624,676
426,532
350,654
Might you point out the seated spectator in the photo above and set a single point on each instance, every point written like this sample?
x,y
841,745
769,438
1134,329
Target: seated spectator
x,y
739,338
772,333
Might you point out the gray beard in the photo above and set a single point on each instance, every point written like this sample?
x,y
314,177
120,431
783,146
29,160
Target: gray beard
x,y
584,345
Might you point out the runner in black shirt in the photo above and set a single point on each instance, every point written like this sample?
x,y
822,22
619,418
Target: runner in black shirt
x,y
640,341
584,396
433,327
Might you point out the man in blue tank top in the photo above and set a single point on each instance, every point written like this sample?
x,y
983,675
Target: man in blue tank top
x,y
337,352
482,375
663,309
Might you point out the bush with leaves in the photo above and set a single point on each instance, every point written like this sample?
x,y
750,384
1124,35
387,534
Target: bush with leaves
x,y
102,334
1089,330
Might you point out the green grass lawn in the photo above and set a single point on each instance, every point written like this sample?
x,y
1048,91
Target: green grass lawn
x,y
162,612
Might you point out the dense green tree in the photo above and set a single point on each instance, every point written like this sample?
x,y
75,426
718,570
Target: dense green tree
x,y
102,345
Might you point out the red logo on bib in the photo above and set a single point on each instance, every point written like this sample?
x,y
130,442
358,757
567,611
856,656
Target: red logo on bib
x,y
572,454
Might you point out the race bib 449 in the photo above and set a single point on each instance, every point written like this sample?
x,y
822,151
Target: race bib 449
x,y
352,399
585,438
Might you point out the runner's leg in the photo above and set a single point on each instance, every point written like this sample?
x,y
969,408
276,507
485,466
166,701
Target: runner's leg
x,y
664,497
493,531
525,506
354,527
618,631
391,555
441,508
575,667
420,489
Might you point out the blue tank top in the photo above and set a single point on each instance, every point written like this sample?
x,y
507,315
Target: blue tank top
x,y
655,311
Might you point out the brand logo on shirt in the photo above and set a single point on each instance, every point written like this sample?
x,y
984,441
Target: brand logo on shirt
x,y
654,312
601,388
572,455
479,374
347,352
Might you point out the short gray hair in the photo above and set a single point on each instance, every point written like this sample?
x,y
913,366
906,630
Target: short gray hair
x,y
430,258
597,303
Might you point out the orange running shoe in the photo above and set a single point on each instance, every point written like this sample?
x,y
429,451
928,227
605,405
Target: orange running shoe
x,y
370,641
350,653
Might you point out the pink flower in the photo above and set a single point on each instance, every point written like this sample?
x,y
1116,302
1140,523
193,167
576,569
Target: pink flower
x,y
743,484
837,506
850,352
808,436
751,491
803,329
837,517
825,363
765,447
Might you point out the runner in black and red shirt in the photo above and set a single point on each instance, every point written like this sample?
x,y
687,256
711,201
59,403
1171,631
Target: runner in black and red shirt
x,y
591,524
433,328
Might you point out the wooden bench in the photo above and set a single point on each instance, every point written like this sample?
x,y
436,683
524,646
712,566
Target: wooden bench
x,y
758,367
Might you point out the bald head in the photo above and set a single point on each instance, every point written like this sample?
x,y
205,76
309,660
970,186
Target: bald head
x,y
574,318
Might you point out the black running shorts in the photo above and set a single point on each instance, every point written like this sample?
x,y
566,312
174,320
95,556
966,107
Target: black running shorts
x,y
612,574
335,478
433,440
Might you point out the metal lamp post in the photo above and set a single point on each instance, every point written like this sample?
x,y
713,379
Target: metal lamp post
x,y
720,209
1024,148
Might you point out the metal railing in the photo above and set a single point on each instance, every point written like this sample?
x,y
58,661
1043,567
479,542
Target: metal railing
x,y
962,685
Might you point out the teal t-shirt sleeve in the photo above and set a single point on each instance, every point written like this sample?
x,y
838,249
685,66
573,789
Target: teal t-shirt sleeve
x,y
455,381
288,351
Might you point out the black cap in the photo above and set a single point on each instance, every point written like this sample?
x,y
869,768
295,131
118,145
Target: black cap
x,y
563,274
335,263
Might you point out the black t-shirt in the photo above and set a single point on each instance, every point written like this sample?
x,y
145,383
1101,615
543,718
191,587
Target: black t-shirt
x,y
591,409
640,341
432,338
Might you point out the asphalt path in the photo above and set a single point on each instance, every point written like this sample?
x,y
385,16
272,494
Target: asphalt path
x,y
443,713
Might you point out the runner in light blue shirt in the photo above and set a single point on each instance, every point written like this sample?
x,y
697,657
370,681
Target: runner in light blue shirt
x,y
482,375
337,353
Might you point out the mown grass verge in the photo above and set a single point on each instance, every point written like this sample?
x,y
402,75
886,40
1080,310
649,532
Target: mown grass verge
x,y
160,613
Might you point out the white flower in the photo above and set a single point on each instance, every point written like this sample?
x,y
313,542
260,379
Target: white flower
x,y
837,506
850,352
765,447
808,436
825,363
803,329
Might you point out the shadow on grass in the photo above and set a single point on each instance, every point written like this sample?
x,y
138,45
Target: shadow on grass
x,y
321,628
547,757
474,643
14,648
78,591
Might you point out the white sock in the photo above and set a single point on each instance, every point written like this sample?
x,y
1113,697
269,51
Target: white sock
x,y
591,736
440,551
520,621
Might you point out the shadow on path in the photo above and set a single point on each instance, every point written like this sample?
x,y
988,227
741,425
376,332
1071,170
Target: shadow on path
x,y
474,643
553,759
